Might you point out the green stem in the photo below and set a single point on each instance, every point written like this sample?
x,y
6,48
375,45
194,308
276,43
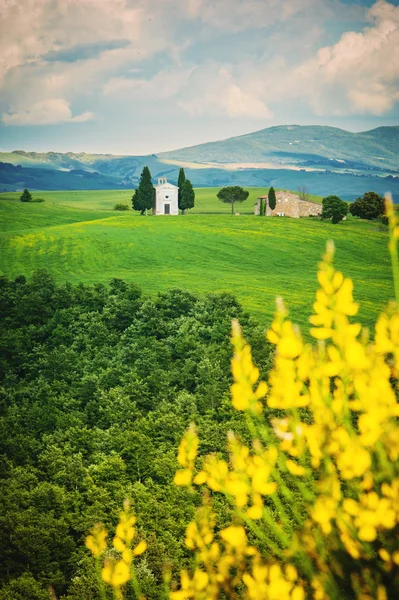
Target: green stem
x,y
135,583
393,251
101,587
260,534
395,270
251,426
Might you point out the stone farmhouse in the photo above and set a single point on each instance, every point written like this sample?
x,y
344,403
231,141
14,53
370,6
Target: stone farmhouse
x,y
289,205
166,198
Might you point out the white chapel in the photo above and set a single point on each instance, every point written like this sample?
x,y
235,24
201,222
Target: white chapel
x,y
166,198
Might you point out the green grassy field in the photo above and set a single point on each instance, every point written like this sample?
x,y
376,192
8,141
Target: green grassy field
x,y
206,200
77,237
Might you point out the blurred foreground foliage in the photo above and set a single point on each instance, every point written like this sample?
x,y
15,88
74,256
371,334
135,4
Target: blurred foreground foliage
x,y
313,486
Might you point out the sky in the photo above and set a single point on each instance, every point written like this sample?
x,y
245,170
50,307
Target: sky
x,y
144,76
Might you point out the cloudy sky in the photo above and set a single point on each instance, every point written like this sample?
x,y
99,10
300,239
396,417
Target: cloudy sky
x,y
141,76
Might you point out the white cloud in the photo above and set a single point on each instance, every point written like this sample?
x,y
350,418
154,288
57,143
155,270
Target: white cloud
x,y
207,90
35,29
358,74
165,84
374,100
47,112
237,15
213,90
34,32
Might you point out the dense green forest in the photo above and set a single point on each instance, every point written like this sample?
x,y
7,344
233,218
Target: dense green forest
x,y
98,384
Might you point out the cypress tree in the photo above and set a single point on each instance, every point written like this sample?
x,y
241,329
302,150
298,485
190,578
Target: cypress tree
x,y
180,183
187,196
135,201
271,196
26,196
144,197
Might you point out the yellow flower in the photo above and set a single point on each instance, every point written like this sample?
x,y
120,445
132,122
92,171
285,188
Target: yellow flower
x,y
186,456
255,512
116,573
367,533
384,555
140,548
324,511
183,478
294,469
200,579
118,544
321,333
187,452
356,356
348,435
235,536
96,541
245,375
350,506
200,478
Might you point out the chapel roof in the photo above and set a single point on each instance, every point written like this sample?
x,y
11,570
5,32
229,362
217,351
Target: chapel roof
x,y
164,183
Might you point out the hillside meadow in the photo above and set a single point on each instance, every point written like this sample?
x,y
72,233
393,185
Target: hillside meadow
x,y
205,199
79,238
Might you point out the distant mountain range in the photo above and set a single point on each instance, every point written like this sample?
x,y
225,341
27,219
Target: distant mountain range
x,y
303,146
324,159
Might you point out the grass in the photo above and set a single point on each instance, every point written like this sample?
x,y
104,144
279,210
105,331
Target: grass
x,y
206,200
77,237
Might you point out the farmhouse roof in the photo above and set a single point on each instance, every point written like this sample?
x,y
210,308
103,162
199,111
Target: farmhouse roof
x,y
298,198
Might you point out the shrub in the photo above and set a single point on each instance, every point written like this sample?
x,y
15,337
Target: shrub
x,y
121,207
26,196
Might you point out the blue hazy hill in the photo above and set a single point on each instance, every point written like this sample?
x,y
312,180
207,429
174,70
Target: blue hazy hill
x,y
327,160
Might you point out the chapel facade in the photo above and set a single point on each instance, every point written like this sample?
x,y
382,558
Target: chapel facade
x,y
166,198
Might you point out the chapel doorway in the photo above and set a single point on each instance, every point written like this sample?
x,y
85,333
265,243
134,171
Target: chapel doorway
x,y
167,209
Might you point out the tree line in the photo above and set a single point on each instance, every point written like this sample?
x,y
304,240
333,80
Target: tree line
x,y
369,206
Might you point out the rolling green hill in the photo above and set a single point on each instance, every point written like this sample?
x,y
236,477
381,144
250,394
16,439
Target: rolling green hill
x,y
77,238
302,145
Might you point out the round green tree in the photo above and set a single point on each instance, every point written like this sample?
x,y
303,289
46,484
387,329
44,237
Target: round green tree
x,y
369,206
232,194
334,208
